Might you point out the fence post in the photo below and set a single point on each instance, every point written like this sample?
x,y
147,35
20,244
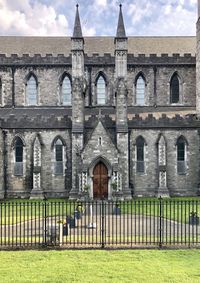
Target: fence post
x,y
45,222
102,223
160,222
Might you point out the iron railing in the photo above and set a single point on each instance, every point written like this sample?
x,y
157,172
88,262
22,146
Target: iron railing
x,y
99,224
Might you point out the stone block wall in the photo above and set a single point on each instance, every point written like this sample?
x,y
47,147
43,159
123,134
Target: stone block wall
x,y
146,184
48,85
52,184
6,81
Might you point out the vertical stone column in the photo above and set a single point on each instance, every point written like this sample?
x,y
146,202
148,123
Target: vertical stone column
x,y
3,164
198,63
37,192
122,136
121,104
78,87
198,184
162,168
77,135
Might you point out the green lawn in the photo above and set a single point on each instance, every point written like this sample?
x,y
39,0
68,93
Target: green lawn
x,y
12,212
178,209
100,266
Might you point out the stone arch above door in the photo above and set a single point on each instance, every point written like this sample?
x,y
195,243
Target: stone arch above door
x,y
96,161
100,173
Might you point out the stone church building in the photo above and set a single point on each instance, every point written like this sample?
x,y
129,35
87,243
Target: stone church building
x,y
103,116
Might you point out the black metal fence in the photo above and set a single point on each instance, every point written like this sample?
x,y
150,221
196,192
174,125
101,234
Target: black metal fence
x,y
111,224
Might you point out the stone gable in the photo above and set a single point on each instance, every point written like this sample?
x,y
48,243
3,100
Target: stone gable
x,y
95,147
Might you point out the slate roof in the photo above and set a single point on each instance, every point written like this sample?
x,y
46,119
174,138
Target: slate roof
x,y
62,45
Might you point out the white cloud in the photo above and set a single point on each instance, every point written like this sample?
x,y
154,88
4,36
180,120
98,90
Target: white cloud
x,y
20,17
101,3
168,18
56,17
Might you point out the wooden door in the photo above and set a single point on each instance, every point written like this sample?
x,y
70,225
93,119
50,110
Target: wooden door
x,y
100,181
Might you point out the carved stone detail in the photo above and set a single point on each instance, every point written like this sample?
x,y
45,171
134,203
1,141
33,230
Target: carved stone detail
x,y
162,190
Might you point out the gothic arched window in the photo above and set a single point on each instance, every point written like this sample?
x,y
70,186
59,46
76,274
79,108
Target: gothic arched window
x,y
181,155
31,90
18,158
140,90
101,90
140,145
174,89
66,91
58,166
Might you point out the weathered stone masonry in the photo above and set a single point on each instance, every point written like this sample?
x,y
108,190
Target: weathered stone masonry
x,y
63,144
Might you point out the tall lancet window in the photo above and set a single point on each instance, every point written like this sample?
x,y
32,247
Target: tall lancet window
x,y
101,90
59,152
174,89
18,158
31,90
66,91
140,146
181,155
140,90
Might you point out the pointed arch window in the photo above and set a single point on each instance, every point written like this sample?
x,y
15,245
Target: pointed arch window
x,y
140,146
31,90
18,158
174,89
181,155
140,90
59,158
101,90
66,91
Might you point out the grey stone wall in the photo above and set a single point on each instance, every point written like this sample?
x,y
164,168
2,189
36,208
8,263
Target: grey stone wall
x,y
147,183
52,184
131,80
92,149
187,85
48,85
160,95
2,152
108,73
6,80
198,69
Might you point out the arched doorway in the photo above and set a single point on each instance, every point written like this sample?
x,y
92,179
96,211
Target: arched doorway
x,y
100,181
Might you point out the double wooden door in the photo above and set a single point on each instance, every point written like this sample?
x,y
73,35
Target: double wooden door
x,y
100,181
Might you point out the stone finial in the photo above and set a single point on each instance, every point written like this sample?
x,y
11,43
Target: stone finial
x,y
77,25
121,33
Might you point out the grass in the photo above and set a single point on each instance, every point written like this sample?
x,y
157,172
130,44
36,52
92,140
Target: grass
x,y
101,266
178,209
13,212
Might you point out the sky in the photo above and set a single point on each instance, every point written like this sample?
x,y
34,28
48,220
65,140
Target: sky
x,y
98,17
